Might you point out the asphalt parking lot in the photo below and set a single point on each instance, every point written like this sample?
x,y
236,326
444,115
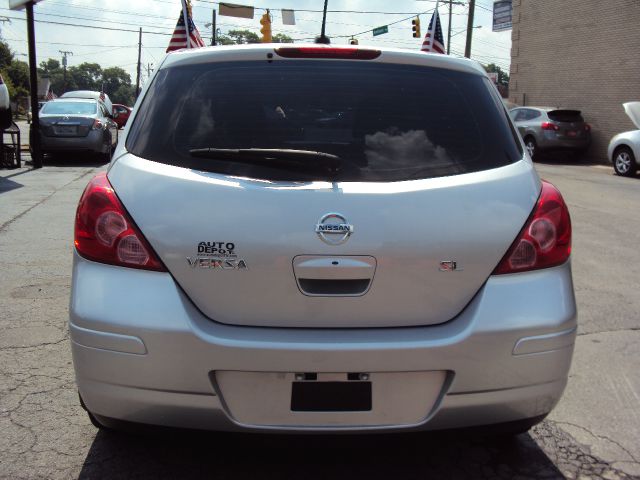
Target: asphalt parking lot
x,y
593,433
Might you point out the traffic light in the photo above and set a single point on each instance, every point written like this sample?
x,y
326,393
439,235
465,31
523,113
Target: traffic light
x,y
416,27
353,41
265,21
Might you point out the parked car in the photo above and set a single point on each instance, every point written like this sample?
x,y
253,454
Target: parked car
x,y
121,114
241,267
77,125
624,148
30,114
548,128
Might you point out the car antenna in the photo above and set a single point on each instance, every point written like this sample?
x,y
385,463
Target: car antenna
x,y
323,38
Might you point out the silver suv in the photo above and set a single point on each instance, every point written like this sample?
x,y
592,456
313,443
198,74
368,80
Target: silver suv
x,y
548,129
321,238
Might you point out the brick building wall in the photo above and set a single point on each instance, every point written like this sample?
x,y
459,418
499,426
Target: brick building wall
x,y
582,54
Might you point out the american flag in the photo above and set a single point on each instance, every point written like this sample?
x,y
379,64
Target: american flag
x,y
433,40
179,37
51,95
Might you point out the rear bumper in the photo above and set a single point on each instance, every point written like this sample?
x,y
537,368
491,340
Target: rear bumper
x,y
549,141
93,142
152,359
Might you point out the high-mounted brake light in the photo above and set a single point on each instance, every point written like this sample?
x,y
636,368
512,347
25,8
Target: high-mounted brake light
x,y
545,240
105,233
328,52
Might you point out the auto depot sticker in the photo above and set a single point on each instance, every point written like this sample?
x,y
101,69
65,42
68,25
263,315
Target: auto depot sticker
x,y
217,256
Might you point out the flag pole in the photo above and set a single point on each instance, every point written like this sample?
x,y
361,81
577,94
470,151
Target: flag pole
x,y
185,17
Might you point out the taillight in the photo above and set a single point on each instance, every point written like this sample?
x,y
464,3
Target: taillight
x,y
105,233
549,126
328,52
545,240
97,124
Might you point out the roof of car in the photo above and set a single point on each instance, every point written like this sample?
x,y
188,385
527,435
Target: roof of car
x,y
259,52
546,109
71,99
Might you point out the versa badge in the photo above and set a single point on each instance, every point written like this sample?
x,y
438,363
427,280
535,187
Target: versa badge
x,y
217,255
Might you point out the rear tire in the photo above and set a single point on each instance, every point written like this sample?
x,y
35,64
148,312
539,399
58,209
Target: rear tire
x,y
531,146
624,162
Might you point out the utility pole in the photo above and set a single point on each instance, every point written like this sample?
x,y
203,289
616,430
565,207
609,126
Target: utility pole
x,y
139,57
323,38
34,130
149,69
64,65
213,27
467,48
449,27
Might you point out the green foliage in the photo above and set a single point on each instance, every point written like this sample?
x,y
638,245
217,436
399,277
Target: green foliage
x,y
6,55
18,73
240,37
503,77
86,76
282,38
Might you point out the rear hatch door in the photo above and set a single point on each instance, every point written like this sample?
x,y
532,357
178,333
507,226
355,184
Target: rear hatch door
x,y
404,229
570,122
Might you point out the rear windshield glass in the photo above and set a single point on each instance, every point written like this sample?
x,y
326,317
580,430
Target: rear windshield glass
x,y
384,122
69,108
565,115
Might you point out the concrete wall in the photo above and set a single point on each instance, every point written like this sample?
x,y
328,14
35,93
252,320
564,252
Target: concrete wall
x,y
582,54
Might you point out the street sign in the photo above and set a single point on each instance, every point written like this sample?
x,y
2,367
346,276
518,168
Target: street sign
x,y
502,10
233,10
20,4
380,30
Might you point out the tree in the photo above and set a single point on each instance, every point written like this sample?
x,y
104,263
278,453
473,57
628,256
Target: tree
x,y
18,73
282,38
49,67
113,78
503,77
86,76
6,55
241,37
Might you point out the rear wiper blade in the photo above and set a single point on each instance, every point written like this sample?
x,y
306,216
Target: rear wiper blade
x,y
275,157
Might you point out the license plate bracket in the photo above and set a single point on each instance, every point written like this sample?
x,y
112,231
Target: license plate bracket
x,y
314,396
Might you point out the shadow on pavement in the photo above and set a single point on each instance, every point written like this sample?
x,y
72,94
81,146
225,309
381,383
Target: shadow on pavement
x,y
565,158
239,456
72,160
7,185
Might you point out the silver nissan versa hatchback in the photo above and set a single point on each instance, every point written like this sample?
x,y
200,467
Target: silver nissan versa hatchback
x,y
320,238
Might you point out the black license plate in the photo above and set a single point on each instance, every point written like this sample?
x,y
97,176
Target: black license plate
x,y
331,396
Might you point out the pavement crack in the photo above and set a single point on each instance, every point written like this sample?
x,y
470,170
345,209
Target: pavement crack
x,y
603,437
629,329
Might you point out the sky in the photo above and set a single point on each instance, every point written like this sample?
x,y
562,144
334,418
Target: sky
x,y
70,25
